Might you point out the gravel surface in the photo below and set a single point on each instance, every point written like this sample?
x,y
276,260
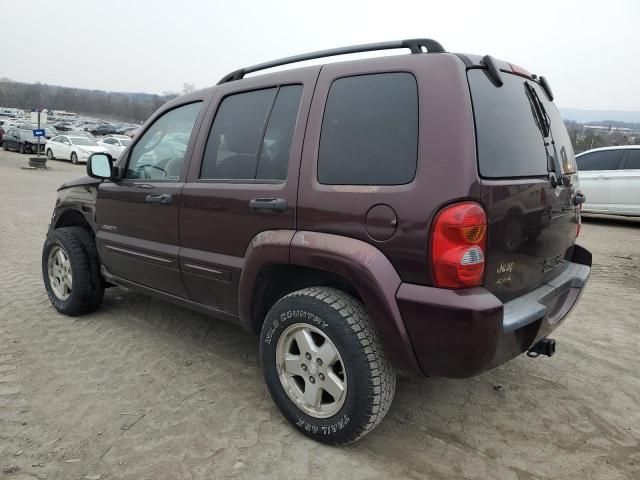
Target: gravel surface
x,y
142,389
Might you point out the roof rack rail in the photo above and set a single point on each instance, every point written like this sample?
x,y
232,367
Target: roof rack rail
x,y
416,45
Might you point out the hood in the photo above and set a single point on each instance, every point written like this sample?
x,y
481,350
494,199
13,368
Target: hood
x,y
84,180
92,148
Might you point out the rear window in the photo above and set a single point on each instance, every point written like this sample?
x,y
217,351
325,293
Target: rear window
x,y
510,142
633,160
251,135
370,131
602,160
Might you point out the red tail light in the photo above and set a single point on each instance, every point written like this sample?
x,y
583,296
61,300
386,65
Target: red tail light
x,y
458,245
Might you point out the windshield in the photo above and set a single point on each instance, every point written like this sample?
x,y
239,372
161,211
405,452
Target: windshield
x,y
84,142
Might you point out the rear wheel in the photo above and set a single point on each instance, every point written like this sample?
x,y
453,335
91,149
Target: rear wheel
x,y
324,365
74,158
21,148
50,154
71,271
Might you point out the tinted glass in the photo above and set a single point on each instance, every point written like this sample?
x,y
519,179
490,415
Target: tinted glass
x,y
82,141
276,144
603,160
370,131
160,152
509,142
232,145
633,159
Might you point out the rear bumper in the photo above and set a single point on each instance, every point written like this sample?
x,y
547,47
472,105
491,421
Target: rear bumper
x,y
461,333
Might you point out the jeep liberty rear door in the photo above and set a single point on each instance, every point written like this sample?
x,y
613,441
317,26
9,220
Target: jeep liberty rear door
x,y
243,179
521,145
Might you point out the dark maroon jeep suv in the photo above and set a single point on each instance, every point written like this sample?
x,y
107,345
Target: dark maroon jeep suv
x,y
414,212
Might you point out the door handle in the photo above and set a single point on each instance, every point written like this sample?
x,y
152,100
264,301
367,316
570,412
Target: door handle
x,y
163,198
275,204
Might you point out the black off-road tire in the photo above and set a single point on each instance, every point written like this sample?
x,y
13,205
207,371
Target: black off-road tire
x,y
371,379
88,284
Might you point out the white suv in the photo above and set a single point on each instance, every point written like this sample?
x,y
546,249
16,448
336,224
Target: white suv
x,y
610,180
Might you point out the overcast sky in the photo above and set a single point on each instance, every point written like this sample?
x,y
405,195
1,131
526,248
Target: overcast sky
x,y
589,50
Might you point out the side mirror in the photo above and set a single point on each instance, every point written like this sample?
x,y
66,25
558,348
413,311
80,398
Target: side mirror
x,y
100,165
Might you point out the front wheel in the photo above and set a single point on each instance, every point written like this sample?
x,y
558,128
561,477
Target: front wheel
x,y
74,158
71,271
21,148
49,154
324,365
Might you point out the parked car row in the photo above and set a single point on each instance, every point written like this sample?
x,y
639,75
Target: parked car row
x,y
102,128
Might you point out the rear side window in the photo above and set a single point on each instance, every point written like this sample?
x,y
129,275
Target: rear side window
x,y
633,160
251,135
603,160
510,141
370,131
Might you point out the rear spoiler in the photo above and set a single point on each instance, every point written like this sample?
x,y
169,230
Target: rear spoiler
x,y
496,67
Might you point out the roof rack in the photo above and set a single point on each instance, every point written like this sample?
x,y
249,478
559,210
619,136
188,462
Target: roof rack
x,y
416,45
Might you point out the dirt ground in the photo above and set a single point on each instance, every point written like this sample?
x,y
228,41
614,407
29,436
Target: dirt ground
x,y
142,389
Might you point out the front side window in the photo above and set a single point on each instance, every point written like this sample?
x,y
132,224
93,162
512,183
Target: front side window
x,y
251,135
369,131
160,152
603,160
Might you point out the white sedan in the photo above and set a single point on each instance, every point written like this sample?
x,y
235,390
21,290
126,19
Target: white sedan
x,y
115,144
610,180
76,149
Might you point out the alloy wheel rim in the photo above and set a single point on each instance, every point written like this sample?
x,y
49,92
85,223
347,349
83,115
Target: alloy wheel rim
x,y
60,275
311,370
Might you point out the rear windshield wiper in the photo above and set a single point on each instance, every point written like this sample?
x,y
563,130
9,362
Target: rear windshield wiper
x,y
543,122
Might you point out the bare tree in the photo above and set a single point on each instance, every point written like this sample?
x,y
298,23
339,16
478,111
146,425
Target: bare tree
x,y
188,88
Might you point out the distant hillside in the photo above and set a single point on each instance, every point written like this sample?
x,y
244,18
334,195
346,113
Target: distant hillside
x,y
588,116
126,106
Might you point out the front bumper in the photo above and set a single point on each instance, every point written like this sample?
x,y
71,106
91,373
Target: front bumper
x,y
461,333
33,147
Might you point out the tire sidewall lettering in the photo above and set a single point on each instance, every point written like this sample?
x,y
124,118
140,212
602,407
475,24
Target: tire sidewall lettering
x,y
323,429
293,316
